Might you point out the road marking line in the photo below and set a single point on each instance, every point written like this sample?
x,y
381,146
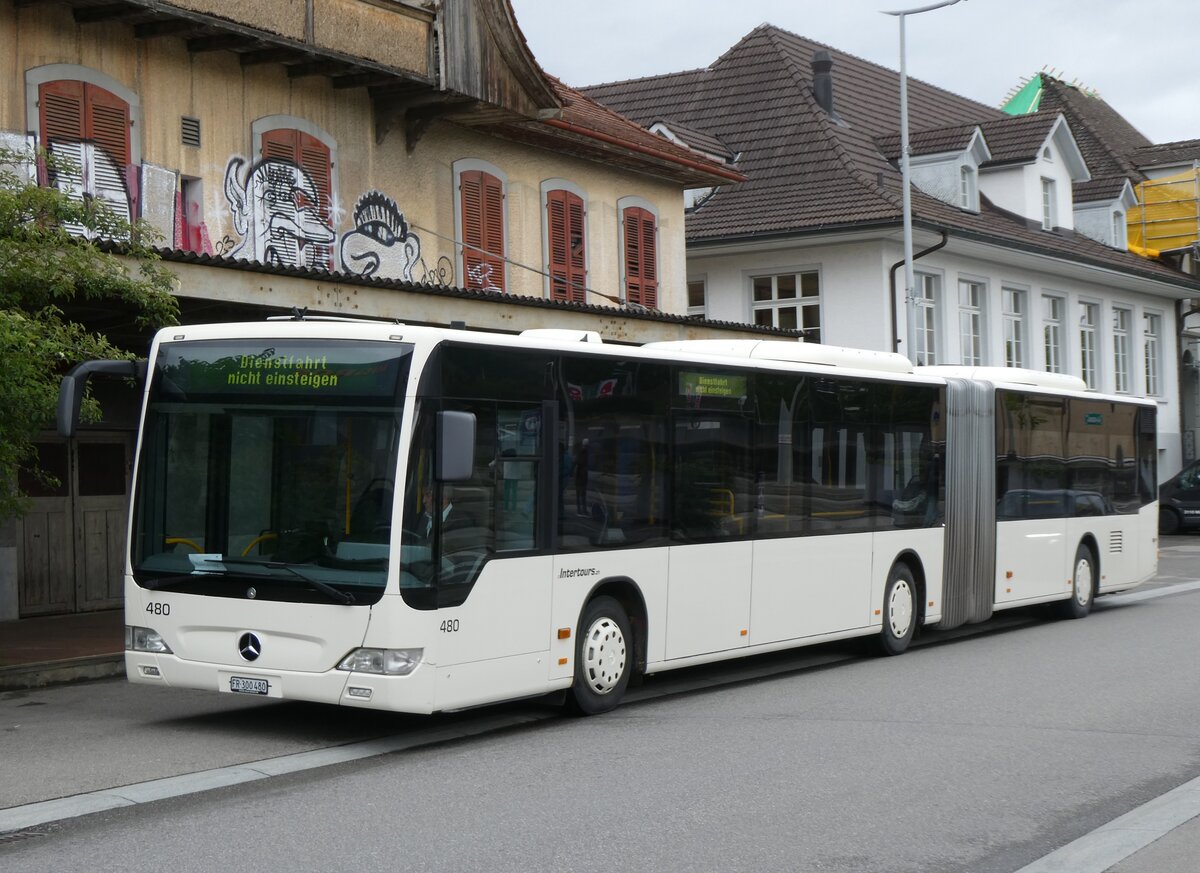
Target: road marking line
x,y
1114,842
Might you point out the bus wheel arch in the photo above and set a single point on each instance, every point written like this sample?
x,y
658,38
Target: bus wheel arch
x,y
903,608
627,593
609,646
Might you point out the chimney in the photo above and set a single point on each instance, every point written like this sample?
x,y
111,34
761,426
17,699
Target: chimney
x,y
822,64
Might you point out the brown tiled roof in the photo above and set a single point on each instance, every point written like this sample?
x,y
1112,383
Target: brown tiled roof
x,y
588,130
1167,153
1104,188
697,139
1017,138
808,172
935,141
1104,136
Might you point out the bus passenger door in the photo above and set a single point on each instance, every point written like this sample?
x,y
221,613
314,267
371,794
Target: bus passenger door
x,y
714,494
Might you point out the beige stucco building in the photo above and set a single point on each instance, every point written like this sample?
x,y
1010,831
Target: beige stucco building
x,y
405,159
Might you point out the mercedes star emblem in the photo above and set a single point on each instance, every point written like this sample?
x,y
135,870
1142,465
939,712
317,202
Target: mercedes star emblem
x,y
250,647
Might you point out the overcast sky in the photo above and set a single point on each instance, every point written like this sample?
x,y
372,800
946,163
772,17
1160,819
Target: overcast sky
x,y
1138,54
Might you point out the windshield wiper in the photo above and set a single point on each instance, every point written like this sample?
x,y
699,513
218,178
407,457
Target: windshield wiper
x,y
343,597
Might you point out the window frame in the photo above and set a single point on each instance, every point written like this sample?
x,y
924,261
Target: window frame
x,y
38,77
701,311
1122,330
1152,352
1053,363
799,302
638,208
497,261
549,188
1089,343
1013,321
262,130
1049,204
928,328
977,313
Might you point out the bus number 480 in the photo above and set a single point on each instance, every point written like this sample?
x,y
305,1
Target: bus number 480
x,y
450,626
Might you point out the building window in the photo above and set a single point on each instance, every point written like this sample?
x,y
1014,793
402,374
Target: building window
x,y
639,251
697,298
566,260
88,127
191,234
1120,235
970,321
289,200
1089,320
966,188
1052,337
1152,336
789,300
926,316
1014,326
481,225
1049,205
1121,324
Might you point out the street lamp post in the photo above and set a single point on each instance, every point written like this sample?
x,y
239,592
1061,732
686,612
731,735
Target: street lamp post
x,y
910,282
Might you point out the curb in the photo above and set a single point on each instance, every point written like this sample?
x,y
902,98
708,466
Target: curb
x,y
24,676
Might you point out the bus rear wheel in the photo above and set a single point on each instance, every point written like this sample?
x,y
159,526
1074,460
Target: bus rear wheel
x,y
1083,583
603,657
899,611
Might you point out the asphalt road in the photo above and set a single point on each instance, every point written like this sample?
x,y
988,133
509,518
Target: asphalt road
x,y
980,753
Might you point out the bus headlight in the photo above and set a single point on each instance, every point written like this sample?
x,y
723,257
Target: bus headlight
x,y
386,662
143,639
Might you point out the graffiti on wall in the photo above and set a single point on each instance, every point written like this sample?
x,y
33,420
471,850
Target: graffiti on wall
x,y
381,243
276,214
276,210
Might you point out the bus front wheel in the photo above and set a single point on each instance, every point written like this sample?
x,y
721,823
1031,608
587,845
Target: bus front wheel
x,y
603,657
899,611
1082,585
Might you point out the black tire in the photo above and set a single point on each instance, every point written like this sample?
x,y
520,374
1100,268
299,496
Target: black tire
x,y
899,611
1168,522
1083,586
603,657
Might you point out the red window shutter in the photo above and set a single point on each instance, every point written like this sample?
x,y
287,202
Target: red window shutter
x,y
61,105
482,205
73,112
565,238
312,156
641,257
107,123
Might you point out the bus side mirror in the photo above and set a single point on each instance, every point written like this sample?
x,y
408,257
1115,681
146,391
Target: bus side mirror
x,y
455,445
74,384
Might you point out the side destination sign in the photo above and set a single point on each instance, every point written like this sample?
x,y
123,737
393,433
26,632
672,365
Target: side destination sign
x,y
711,385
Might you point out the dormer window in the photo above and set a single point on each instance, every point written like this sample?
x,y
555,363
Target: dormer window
x,y
1046,156
967,190
1120,236
1049,205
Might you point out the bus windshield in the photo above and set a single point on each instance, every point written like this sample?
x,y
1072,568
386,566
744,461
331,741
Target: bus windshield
x,y
270,466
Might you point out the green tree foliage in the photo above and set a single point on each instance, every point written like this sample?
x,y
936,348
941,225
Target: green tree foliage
x,y
58,252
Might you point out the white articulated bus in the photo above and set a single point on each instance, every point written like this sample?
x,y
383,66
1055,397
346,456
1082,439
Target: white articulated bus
x,y
420,519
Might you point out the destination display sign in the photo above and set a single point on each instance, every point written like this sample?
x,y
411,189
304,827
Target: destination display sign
x,y
282,368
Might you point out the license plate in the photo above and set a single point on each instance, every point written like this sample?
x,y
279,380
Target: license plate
x,y
242,685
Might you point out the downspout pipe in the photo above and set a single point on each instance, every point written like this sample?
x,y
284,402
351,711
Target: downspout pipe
x,y
892,286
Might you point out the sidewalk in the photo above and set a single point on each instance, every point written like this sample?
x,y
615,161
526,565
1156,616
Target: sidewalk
x,y
64,648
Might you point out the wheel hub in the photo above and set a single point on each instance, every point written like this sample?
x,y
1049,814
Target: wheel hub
x,y
604,653
900,609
